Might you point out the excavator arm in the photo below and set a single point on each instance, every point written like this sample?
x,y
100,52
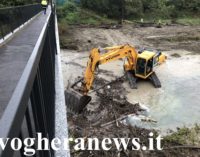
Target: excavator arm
x,y
77,98
97,57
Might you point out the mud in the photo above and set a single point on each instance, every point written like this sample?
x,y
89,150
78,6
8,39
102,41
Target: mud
x,y
174,105
166,38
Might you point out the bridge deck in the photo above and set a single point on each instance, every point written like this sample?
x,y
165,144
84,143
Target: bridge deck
x,y
14,56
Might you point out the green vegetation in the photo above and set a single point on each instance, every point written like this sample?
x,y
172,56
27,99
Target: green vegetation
x,y
5,3
65,41
95,12
72,13
143,8
60,2
189,21
103,12
184,136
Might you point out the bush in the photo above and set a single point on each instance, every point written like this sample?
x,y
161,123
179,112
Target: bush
x,y
140,8
4,3
68,8
72,13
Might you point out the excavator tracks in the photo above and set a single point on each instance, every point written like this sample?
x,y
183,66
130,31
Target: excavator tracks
x,y
154,79
131,79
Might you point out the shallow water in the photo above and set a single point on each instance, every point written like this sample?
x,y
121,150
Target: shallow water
x,y
177,103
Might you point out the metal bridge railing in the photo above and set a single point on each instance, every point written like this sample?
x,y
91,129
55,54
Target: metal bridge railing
x,y
31,108
13,17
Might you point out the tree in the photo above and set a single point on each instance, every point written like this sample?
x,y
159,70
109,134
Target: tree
x,y
133,8
17,2
139,8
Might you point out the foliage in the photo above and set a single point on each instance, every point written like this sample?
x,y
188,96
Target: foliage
x,y
134,8
188,21
112,8
72,13
184,136
141,8
60,2
5,3
68,8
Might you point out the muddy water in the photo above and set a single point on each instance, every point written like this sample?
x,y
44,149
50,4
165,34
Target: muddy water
x,y
176,104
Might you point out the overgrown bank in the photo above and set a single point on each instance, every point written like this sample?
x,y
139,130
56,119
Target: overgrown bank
x,y
73,14
131,9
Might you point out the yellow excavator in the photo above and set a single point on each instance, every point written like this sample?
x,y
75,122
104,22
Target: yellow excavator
x,y
137,65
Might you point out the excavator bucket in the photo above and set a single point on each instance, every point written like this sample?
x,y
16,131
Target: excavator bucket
x,y
75,100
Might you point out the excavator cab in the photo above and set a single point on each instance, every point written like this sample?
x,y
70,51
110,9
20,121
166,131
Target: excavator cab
x,y
144,67
145,64
140,67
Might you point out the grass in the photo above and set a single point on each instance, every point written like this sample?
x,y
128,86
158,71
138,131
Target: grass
x,y
64,33
89,17
189,21
185,136
86,17
72,14
75,15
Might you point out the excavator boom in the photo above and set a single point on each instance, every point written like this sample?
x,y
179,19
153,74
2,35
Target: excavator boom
x,y
97,57
77,99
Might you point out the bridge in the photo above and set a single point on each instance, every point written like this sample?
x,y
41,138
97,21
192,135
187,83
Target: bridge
x,y
31,86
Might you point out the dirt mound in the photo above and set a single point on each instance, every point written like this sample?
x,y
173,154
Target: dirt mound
x,y
165,38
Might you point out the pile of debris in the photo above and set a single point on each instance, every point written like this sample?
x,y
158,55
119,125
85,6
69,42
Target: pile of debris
x,y
105,118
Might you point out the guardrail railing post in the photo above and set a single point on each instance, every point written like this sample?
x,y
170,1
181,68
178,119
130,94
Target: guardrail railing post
x,y
1,30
